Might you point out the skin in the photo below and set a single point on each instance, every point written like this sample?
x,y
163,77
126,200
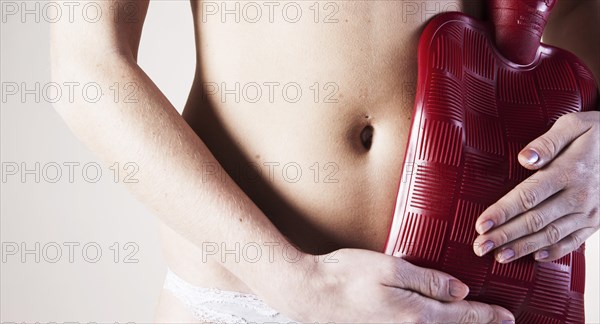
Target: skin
x,y
338,221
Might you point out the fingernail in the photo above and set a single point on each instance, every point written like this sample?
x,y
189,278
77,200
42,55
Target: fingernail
x,y
458,289
485,226
531,156
486,247
508,322
541,255
505,255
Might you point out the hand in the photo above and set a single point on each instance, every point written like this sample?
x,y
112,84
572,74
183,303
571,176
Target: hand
x,y
360,286
554,211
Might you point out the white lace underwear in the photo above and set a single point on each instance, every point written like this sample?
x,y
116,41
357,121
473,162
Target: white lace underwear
x,y
220,306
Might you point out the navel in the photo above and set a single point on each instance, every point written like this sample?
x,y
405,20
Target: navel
x,y
366,136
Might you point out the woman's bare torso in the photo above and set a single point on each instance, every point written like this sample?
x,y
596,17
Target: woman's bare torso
x,y
308,106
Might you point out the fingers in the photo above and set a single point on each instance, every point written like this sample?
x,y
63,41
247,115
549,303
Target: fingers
x,y
525,196
428,282
469,312
546,147
437,288
526,225
550,235
551,240
565,246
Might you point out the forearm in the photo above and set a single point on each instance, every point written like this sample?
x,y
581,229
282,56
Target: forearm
x,y
172,161
574,27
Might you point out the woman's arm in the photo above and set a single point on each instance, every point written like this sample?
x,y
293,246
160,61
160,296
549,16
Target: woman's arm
x,y
172,159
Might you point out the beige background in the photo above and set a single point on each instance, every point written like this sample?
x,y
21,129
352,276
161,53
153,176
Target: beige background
x,y
104,212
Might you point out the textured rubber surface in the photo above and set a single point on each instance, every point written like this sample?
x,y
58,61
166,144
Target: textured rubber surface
x,y
474,111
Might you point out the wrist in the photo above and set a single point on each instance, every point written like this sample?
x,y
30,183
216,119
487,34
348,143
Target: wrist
x,y
284,280
284,271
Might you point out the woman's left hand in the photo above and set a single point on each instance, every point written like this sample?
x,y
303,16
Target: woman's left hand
x,y
556,209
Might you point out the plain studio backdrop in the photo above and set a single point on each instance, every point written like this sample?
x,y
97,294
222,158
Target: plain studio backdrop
x,y
122,283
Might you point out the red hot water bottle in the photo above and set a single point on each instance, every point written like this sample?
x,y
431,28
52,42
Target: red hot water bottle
x,y
485,91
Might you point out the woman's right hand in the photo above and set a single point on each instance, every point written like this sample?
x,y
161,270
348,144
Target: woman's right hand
x,y
360,286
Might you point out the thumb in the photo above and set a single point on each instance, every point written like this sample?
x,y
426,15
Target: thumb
x,y
428,282
545,148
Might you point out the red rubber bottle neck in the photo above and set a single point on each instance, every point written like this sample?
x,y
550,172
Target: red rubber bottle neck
x,y
518,27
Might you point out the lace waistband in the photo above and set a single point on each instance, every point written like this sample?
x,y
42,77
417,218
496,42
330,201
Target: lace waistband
x,y
220,306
